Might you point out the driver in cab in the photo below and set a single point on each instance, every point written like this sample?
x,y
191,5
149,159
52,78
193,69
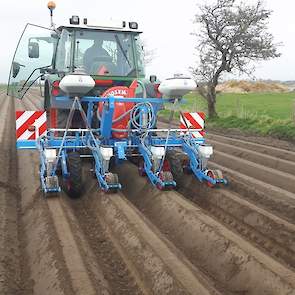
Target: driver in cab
x,y
95,59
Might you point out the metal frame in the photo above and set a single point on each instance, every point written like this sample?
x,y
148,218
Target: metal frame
x,y
94,140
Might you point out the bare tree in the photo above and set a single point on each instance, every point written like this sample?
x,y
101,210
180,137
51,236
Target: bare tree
x,y
148,53
232,36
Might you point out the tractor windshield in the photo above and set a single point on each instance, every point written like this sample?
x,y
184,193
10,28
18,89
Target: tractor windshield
x,y
34,52
105,53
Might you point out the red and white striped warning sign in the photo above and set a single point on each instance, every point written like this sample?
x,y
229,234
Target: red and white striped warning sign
x,y
30,124
195,121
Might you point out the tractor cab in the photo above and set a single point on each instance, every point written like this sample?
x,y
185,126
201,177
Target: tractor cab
x,y
109,52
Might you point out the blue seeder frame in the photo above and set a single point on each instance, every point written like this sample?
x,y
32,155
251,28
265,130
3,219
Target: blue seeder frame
x,y
93,139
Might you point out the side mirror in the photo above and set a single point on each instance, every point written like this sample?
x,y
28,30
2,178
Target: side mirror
x,y
33,50
15,69
153,78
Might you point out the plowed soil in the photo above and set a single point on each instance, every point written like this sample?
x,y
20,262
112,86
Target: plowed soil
x,y
238,239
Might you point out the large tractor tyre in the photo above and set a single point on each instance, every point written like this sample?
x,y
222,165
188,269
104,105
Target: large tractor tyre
x,y
74,183
62,114
175,158
62,118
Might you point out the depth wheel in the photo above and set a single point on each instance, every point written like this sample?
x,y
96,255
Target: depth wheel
x,y
165,176
111,178
210,174
74,183
215,174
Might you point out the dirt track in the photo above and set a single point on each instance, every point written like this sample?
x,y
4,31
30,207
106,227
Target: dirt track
x,y
196,240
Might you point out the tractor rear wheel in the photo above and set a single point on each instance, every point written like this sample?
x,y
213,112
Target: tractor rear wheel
x,y
74,183
141,170
175,159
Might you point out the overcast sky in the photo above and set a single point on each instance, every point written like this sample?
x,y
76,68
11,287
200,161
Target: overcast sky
x,y
167,27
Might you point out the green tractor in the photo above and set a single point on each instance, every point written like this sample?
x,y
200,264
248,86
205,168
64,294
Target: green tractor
x,y
100,105
110,52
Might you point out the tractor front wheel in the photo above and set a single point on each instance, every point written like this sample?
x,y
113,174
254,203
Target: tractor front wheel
x,y
74,183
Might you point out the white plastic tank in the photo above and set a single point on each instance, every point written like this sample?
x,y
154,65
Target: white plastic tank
x,y
76,84
177,87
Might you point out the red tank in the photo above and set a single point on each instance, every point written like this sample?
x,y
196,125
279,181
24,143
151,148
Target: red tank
x,y
120,107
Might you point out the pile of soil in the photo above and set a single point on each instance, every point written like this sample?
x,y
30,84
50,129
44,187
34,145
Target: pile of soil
x,y
251,86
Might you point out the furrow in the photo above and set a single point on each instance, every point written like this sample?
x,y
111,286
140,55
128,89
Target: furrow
x,y
159,268
256,157
261,148
267,196
266,174
11,253
271,233
223,254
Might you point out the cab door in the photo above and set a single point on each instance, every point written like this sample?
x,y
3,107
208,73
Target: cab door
x,y
34,54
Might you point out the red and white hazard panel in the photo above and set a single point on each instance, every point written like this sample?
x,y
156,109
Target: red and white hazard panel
x,y
30,124
194,121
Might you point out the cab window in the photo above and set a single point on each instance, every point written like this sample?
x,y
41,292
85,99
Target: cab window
x,y
35,50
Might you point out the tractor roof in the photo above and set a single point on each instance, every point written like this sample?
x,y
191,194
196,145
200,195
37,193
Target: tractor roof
x,y
99,29
117,26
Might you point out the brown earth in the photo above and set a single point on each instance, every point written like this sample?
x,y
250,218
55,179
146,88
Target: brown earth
x,y
238,239
251,86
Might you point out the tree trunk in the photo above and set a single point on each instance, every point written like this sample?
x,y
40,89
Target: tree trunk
x,y
211,110
211,99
